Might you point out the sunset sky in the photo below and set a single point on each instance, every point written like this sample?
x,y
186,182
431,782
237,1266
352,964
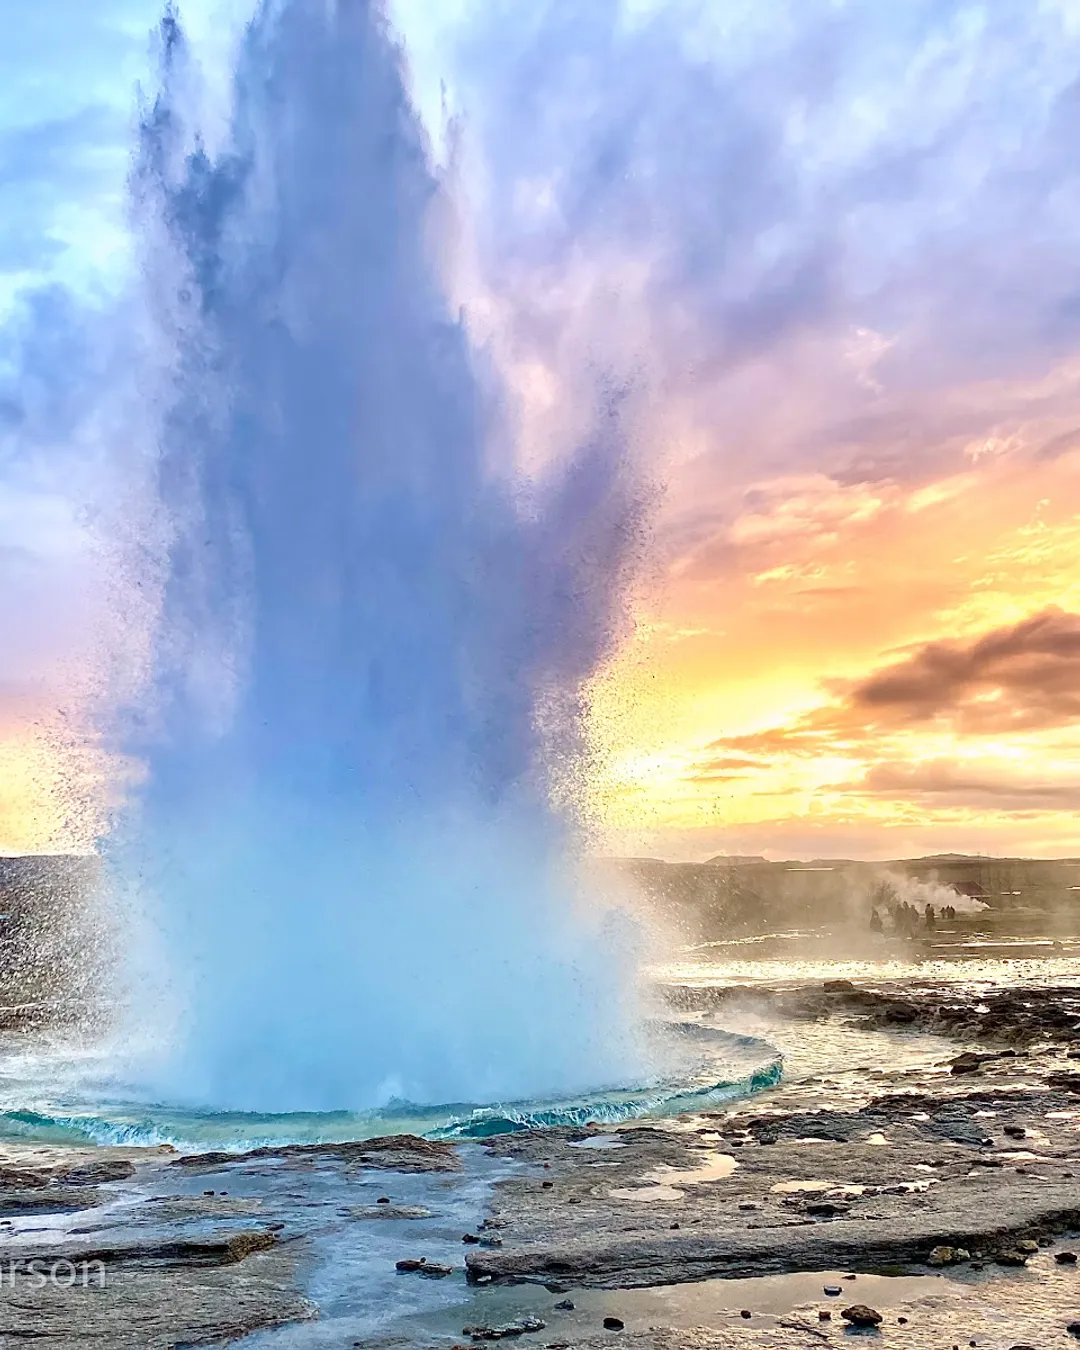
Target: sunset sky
x,y
828,251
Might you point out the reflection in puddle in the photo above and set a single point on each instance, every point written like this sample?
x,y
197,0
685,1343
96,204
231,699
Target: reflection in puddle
x,y
599,1141
662,1182
712,1303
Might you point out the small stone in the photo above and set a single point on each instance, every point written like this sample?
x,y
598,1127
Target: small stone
x,y
1073,1328
901,1321
491,1241
824,1315
547,1185
1016,1131
834,1290
409,1265
1011,1258
565,1305
749,1206
1027,1246
470,1238
432,1270
383,1200
768,1138
942,1256
613,1324
1065,1258
675,1225
859,1315
746,1313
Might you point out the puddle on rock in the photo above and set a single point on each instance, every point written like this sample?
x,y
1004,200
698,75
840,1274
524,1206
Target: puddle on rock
x,y
663,1183
712,1303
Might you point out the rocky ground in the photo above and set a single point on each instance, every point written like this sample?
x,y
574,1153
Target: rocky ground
x,y
944,1204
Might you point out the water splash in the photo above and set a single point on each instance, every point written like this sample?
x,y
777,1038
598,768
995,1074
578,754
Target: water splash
x,y
59,1095
367,670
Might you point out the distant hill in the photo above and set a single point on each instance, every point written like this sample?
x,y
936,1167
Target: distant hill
x,y
732,895
736,860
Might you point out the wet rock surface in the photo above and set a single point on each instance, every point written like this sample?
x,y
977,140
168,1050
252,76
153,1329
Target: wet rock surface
x,y
946,1203
138,1249
1010,1016
394,1153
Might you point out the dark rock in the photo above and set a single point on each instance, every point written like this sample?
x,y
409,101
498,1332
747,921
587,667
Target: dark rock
x,y
389,1212
565,1305
470,1238
409,1264
383,1200
859,1315
746,1313
392,1153
838,987
834,1290
518,1328
1073,1328
1065,1258
1015,1131
613,1324
432,1270
97,1173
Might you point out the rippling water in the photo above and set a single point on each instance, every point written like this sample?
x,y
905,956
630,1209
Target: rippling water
x,y
1032,963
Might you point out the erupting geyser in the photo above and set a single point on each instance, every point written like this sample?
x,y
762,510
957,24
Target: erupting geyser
x,y
366,681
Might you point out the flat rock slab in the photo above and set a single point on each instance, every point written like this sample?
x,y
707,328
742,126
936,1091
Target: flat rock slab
x,y
219,1249
641,1215
132,1309
392,1153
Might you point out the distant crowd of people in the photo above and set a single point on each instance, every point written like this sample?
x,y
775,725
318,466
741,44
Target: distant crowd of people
x,y
907,920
